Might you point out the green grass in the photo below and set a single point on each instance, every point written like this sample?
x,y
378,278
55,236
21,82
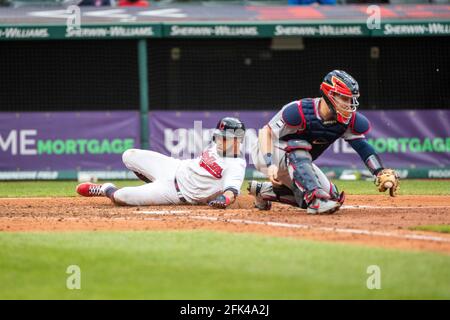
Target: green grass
x,y
210,265
13,189
443,228
407,187
67,188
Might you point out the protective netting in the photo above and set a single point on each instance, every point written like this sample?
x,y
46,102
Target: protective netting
x,y
217,74
399,73
68,75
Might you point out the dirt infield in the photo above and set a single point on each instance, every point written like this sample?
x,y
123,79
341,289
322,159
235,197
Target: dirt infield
x,y
371,220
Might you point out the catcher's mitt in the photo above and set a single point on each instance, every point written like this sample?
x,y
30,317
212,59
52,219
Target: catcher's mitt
x,y
388,179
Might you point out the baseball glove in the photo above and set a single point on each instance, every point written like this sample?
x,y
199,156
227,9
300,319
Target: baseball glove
x,y
388,179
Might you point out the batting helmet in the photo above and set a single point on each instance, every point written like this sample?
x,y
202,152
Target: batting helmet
x,y
230,128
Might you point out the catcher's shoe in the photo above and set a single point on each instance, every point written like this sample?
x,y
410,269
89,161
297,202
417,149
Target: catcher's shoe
x,y
88,189
321,203
322,206
255,188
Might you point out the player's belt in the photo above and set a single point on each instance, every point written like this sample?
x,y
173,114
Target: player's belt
x,y
180,195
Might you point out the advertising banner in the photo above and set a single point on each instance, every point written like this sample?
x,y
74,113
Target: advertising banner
x,y
404,139
224,30
226,21
71,141
66,140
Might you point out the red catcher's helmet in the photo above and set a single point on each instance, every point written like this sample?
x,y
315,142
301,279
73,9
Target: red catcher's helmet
x,y
341,93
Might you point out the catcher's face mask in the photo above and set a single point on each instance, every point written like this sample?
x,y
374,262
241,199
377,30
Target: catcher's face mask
x,y
345,105
341,93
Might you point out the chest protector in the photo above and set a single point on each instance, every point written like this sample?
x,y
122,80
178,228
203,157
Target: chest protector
x,y
310,128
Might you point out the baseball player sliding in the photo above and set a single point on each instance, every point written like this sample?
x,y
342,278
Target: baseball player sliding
x,y
299,133
215,178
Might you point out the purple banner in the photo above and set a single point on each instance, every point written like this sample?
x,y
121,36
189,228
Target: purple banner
x,y
406,139
96,140
66,140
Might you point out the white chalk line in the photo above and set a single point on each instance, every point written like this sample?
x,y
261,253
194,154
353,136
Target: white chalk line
x,y
392,207
345,207
327,229
164,212
410,236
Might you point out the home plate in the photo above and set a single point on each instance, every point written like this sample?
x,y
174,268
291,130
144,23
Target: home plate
x,y
165,212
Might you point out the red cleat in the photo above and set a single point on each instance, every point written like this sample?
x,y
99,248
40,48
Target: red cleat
x,y
88,189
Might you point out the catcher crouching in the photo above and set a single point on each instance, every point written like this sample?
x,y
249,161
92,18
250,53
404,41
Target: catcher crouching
x,y
299,133
215,178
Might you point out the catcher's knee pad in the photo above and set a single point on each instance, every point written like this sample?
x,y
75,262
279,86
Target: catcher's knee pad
x,y
302,171
307,185
298,146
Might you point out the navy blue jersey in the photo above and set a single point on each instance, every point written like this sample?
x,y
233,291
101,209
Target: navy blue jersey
x,y
301,120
